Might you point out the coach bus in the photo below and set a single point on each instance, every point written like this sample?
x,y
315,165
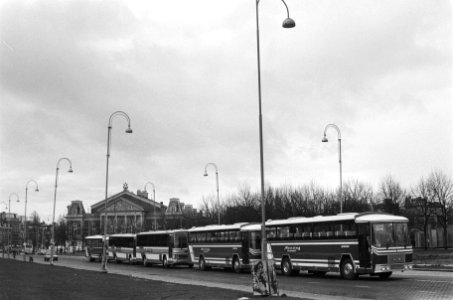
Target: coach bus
x,y
166,247
122,247
224,246
349,243
93,247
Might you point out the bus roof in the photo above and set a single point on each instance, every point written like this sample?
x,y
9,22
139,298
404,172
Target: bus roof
x,y
251,227
162,232
218,227
94,237
123,235
379,217
357,217
298,220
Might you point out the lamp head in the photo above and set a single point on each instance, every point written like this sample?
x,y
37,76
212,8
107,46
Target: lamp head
x,y
205,173
70,170
36,190
129,129
325,140
289,23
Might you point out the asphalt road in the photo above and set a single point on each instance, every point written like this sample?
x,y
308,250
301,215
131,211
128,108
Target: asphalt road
x,y
411,285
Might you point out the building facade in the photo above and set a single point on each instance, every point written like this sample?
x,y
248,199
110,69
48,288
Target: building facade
x,y
124,212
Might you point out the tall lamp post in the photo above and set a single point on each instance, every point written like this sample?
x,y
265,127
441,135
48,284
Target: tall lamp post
x,y
217,185
154,199
109,129
325,140
287,23
52,241
9,219
25,217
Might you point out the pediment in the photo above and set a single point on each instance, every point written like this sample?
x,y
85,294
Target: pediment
x,y
122,205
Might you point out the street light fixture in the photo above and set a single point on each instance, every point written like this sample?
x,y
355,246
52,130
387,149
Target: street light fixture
x,y
9,219
25,217
217,185
52,241
154,199
287,23
128,130
325,140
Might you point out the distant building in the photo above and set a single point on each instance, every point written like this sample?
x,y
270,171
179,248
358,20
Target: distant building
x,y
126,213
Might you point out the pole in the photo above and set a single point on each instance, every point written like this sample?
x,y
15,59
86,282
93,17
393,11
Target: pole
x,y
217,186
260,121
104,254
52,241
109,129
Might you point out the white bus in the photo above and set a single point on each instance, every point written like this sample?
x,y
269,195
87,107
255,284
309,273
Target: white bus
x,y
166,247
93,247
222,246
122,247
349,243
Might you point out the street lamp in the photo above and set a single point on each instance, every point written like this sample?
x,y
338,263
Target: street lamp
x,y
9,219
52,241
287,23
325,140
128,130
154,199
217,184
25,220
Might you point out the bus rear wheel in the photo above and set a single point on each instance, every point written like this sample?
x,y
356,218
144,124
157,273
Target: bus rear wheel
x,y
165,262
236,265
287,268
202,264
347,270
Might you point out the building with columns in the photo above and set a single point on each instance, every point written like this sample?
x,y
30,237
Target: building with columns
x,y
126,213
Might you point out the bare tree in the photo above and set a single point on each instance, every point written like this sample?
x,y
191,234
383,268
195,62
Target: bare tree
x,y
392,193
424,204
442,188
357,196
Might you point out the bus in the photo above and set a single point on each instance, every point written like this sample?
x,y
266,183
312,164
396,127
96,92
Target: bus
x,y
166,247
349,243
122,247
224,246
93,247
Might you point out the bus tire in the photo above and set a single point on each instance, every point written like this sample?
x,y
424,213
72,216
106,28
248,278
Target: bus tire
x,y
236,265
202,264
191,266
165,262
287,267
385,275
347,270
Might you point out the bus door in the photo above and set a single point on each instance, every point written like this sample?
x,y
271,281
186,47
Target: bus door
x,y
245,236
364,244
171,244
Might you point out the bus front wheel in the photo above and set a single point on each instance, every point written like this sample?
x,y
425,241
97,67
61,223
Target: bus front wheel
x,y
347,270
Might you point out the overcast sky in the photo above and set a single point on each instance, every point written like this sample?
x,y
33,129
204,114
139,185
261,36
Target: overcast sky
x,y
186,74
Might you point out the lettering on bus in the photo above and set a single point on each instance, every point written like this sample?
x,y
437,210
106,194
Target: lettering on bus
x,y
205,250
292,249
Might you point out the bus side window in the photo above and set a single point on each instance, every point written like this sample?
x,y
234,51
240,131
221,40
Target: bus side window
x,y
270,232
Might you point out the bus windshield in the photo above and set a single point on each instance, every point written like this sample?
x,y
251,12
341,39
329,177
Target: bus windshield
x,y
180,240
390,234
